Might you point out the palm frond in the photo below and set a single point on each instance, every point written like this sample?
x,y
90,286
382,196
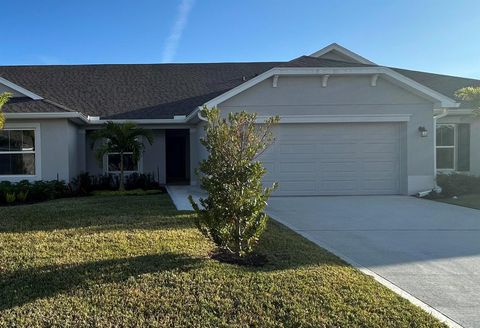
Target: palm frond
x,y
4,97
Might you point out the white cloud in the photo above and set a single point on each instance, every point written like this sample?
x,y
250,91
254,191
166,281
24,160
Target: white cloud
x,y
175,35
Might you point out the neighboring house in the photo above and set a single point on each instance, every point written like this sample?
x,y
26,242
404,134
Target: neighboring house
x,y
348,126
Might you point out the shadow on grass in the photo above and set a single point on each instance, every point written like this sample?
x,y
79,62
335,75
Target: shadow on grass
x,y
25,286
98,213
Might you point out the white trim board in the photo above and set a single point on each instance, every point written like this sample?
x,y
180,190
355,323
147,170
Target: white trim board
x,y
95,120
20,89
338,118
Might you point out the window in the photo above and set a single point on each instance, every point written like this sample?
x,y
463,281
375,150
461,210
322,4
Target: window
x,y
17,152
446,143
113,163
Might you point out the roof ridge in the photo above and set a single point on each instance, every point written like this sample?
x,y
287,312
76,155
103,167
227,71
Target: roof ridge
x,y
142,64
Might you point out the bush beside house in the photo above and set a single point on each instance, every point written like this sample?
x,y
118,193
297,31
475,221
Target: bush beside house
x,y
232,215
457,184
25,192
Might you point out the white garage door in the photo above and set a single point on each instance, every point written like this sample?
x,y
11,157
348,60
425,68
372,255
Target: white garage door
x,y
335,159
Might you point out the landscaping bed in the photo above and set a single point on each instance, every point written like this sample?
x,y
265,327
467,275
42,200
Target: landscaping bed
x,y
458,189
135,261
472,201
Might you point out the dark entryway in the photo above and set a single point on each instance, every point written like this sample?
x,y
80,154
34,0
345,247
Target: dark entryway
x,y
177,151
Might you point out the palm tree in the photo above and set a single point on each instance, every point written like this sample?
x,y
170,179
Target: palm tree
x,y
4,97
472,95
121,138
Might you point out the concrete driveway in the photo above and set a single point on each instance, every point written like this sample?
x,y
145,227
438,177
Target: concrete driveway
x,y
428,249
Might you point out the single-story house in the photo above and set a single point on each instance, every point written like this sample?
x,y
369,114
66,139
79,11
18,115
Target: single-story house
x,y
348,126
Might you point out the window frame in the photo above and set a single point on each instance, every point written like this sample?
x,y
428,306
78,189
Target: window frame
x,y
454,147
37,152
106,164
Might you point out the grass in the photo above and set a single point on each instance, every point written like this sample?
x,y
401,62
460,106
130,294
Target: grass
x,y
135,261
472,201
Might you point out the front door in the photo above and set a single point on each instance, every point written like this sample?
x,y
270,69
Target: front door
x,y
177,150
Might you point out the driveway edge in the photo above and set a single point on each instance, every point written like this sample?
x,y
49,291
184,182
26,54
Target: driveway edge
x,y
385,282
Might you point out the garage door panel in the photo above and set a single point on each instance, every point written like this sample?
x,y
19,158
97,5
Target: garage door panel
x,y
299,148
332,167
297,187
378,167
335,159
336,148
337,186
378,148
292,167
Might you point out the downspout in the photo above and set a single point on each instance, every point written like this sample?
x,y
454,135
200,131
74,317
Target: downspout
x,y
199,114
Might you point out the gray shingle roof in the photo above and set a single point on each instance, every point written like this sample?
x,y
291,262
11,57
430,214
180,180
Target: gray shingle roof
x,y
155,91
445,84
27,105
132,91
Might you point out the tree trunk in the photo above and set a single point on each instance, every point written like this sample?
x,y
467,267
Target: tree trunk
x,y
121,186
239,237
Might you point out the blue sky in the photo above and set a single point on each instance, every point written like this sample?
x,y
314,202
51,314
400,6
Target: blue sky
x,y
431,35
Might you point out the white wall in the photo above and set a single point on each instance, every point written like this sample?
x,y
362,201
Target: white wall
x,y
154,156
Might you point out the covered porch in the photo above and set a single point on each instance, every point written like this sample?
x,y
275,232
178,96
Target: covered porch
x,y
169,159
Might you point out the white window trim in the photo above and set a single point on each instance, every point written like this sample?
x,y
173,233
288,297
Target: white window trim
x,y
139,165
454,147
38,152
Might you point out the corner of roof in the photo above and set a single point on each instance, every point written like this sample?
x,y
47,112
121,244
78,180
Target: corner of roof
x,y
19,89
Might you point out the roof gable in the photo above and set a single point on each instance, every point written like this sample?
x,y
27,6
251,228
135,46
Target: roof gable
x,y
335,51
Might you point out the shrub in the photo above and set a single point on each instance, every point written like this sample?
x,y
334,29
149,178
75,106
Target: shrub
x,y
10,197
132,181
22,196
25,191
141,181
38,191
457,184
82,185
232,215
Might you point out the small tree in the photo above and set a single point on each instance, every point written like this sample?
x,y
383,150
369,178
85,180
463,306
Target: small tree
x,y
121,138
232,215
472,95
4,97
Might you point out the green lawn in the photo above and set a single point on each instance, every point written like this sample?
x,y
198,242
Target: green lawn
x,y
133,261
472,201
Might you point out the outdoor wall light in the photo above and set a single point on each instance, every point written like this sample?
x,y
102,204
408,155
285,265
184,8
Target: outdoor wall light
x,y
423,131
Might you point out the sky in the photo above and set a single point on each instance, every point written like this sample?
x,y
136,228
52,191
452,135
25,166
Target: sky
x,y
440,36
